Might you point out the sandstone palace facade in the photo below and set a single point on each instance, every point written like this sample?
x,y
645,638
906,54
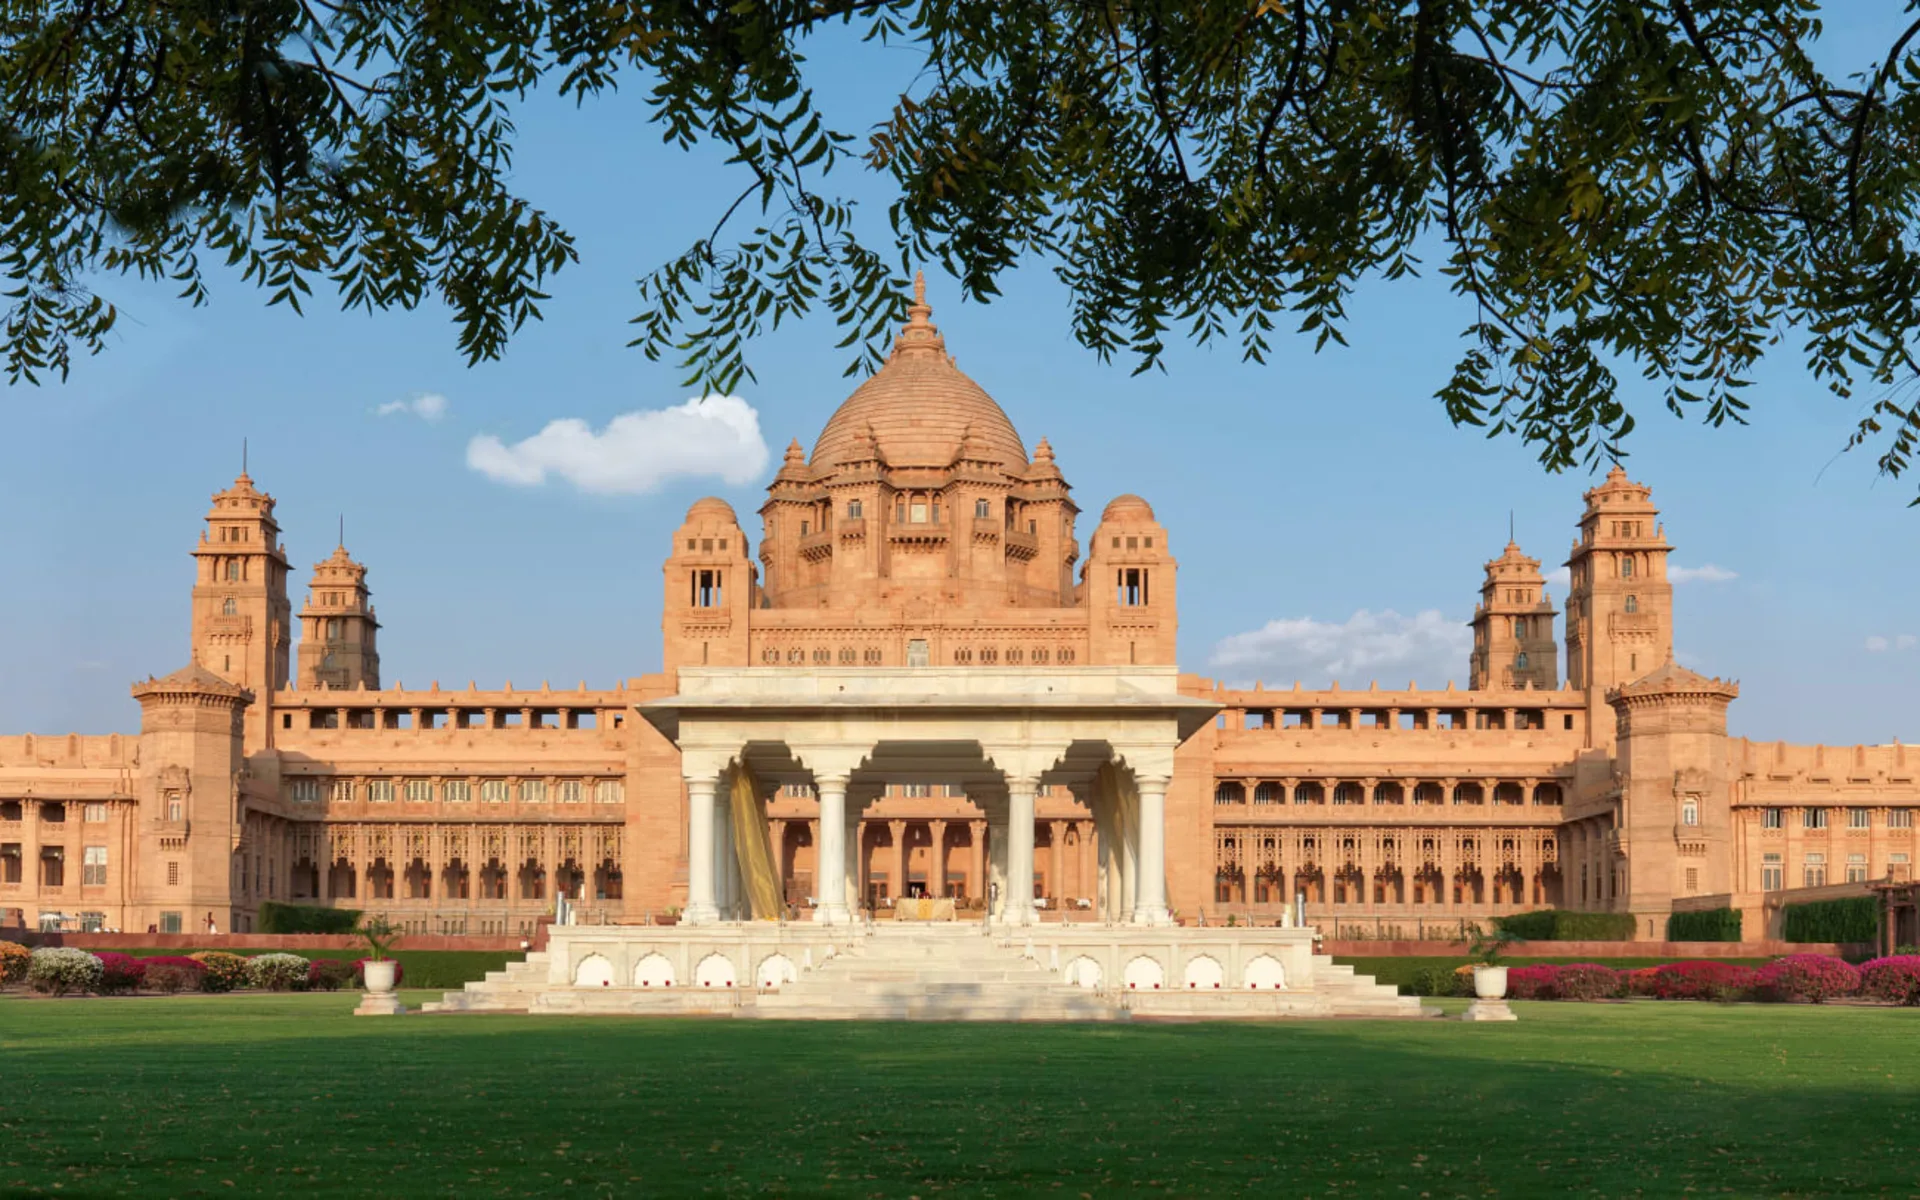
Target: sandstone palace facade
x,y
921,536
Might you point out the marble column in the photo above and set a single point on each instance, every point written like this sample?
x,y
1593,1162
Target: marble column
x,y
1151,889
830,852
701,908
897,869
977,858
1020,798
1086,889
1057,861
937,865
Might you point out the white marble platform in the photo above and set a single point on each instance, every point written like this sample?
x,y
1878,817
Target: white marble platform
x,y
912,971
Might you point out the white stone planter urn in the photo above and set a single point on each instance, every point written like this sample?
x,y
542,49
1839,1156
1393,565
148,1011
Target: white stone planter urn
x,y
1489,983
379,976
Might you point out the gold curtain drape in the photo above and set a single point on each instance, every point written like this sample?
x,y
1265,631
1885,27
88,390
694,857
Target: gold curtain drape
x,y
1117,793
753,847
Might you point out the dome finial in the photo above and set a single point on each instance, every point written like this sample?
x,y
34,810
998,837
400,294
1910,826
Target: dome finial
x,y
919,332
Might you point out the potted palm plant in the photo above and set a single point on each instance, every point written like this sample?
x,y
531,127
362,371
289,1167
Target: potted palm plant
x,y
380,935
1485,948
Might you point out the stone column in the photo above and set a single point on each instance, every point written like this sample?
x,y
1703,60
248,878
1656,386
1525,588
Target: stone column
x,y
1088,889
1057,861
937,866
897,869
1020,797
830,852
977,858
1151,907
701,907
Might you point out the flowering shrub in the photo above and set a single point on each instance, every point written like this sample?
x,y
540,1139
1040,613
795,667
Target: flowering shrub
x,y
170,974
1810,977
13,962
1895,979
277,972
1640,981
120,972
1585,981
360,971
1706,980
330,975
62,969
1530,983
224,972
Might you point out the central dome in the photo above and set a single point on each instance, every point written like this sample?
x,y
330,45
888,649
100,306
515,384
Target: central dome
x,y
919,408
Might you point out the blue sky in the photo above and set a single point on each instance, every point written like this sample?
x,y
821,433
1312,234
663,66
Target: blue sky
x,y
1321,500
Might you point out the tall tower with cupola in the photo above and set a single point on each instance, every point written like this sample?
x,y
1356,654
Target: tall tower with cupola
x,y
1513,643
710,590
241,617
338,627
1620,604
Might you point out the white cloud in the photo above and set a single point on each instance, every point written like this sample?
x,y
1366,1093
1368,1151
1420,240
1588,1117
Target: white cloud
x,y
428,406
1560,577
1385,646
1878,644
1704,574
636,452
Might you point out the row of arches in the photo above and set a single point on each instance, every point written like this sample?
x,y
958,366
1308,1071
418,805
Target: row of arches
x,y
1203,972
656,970
457,880
1387,792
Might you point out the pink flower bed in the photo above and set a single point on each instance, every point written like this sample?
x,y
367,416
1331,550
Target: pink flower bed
x,y
1895,979
1697,981
1809,977
120,972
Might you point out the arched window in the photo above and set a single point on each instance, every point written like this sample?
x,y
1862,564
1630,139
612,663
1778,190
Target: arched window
x,y
233,570
853,510
982,508
1626,567
1633,604
1689,811
229,607
1520,661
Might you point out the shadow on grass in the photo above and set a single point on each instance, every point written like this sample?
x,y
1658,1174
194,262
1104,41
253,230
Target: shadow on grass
x,y
256,1094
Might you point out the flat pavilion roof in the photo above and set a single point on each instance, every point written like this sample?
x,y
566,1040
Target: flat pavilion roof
x,y
894,694
926,722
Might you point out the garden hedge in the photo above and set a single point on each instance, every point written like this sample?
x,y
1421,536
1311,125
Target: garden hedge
x,y
1711,925
1561,925
1854,919
306,918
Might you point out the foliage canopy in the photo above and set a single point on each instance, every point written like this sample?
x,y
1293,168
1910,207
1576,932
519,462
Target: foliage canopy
x,y
1669,187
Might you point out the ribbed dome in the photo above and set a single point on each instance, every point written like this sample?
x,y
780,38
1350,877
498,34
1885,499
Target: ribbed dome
x,y
1128,505
919,408
711,508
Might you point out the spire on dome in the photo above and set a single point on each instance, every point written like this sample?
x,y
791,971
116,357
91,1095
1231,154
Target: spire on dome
x,y
919,334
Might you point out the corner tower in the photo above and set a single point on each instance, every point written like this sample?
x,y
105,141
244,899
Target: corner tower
x,y
1620,605
241,615
338,627
1513,643
1675,815
710,590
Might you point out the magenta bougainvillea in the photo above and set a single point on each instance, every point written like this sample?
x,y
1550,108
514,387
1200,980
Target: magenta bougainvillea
x,y
1809,977
1895,979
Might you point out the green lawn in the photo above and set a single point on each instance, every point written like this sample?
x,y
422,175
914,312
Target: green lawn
x,y
238,1094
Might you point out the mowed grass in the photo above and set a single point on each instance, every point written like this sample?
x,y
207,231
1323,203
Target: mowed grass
x,y
248,1094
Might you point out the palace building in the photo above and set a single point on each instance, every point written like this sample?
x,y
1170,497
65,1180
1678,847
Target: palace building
x,y
927,676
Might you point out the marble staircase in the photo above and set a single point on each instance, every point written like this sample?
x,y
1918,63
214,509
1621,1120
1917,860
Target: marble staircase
x,y
933,973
